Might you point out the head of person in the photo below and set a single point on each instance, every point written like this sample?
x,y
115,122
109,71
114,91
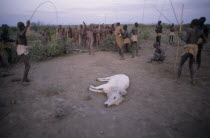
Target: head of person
x,y
159,22
125,27
202,20
155,44
81,26
172,25
118,24
136,24
20,26
194,23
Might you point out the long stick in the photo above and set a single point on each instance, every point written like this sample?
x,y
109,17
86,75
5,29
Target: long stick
x,y
174,12
160,13
40,6
163,15
179,40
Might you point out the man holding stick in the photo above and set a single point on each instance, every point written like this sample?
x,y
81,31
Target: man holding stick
x,y
22,48
191,47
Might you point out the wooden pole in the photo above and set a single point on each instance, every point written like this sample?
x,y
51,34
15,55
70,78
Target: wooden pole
x,y
179,40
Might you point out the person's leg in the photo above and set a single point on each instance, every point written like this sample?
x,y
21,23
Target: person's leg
x,y
136,48
191,68
91,47
159,40
25,60
131,50
182,61
122,52
172,38
199,58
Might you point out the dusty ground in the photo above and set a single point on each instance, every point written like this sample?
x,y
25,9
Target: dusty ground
x,y
57,103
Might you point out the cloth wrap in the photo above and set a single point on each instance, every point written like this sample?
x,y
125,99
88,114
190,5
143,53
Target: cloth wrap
x,y
118,37
158,34
134,38
21,49
126,41
172,33
191,48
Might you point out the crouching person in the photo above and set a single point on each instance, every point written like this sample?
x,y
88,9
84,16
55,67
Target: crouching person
x,y
22,48
159,54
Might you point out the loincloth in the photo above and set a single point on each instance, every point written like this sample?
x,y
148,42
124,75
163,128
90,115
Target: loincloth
x,y
172,33
134,38
158,34
126,41
21,49
191,48
119,40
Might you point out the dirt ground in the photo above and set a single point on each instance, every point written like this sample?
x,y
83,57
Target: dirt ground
x,y
57,103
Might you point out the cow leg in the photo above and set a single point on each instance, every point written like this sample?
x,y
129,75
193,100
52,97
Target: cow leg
x,y
104,79
97,89
94,90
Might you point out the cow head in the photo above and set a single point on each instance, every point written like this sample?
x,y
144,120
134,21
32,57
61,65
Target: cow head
x,y
115,97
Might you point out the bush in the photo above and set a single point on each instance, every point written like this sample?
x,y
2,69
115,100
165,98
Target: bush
x,y
40,52
108,43
146,35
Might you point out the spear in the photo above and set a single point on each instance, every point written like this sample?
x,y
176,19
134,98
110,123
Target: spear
x,y
174,12
163,15
179,40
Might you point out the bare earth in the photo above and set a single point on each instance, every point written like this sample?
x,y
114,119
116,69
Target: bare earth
x,y
57,103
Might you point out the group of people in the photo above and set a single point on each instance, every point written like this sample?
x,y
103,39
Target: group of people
x,y
123,40
85,35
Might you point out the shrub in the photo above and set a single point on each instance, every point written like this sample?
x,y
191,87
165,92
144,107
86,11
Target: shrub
x,y
108,43
40,52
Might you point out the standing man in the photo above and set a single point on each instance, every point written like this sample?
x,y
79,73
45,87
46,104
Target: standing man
x,y
191,47
171,35
158,31
90,38
134,38
126,42
203,28
119,39
22,48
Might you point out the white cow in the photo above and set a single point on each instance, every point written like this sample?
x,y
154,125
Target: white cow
x,y
115,88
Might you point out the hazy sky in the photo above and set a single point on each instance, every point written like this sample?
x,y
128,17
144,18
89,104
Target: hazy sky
x,y
101,11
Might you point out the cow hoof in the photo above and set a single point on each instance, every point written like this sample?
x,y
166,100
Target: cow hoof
x,y
91,86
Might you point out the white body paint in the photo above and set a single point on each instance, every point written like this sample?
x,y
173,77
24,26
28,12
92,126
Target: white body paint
x,y
115,88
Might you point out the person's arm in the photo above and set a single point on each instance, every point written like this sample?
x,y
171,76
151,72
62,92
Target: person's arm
x,y
25,29
131,32
204,38
206,31
184,38
84,24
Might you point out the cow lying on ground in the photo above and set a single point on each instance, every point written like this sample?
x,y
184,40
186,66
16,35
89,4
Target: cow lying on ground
x,y
115,88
